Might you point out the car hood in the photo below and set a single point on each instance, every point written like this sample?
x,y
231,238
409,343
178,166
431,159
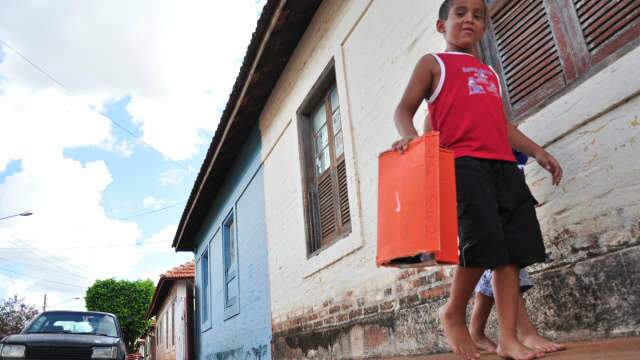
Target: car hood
x,y
61,339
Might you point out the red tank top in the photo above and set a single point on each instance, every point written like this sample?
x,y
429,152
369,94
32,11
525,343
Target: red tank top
x,y
466,108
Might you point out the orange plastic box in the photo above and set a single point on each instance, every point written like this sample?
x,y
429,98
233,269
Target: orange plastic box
x,y
417,216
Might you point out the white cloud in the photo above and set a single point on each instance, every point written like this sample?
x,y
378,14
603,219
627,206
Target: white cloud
x,y
160,241
123,147
153,203
172,177
46,121
176,60
66,199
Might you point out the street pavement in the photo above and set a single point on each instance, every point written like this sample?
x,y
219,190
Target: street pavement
x,y
614,349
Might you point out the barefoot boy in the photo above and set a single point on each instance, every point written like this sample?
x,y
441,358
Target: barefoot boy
x,y
498,228
483,303
527,332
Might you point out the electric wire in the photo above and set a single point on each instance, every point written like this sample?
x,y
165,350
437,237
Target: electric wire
x,y
66,89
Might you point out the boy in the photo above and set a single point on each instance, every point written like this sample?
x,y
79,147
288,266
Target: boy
x,y
498,228
527,333
483,303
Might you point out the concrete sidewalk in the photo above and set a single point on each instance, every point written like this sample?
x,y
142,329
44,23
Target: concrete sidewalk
x,y
615,349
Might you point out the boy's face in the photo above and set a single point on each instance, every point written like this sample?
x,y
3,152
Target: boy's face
x,y
465,25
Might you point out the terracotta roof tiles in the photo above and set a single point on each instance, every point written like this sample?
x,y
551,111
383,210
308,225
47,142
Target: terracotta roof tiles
x,y
187,270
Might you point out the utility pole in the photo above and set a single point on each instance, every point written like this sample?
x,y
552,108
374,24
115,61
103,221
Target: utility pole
x,y
44,307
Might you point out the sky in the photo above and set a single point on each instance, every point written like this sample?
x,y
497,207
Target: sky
x,y
77,79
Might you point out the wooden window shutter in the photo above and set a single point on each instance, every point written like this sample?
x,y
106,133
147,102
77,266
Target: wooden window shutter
x,y
607,25
327,208
343,195
526,49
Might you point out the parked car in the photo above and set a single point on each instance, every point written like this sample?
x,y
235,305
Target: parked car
x,y
68,335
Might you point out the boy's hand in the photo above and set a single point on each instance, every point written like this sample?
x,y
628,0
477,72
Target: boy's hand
x,y
402,145
550,164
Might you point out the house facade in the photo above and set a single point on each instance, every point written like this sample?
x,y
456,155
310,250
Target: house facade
x,y
172,309
319,86
233,317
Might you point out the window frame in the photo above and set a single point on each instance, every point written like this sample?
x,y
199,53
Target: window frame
x,y
230,228
205,322
159,332
173,323
319,95
578,63
166,329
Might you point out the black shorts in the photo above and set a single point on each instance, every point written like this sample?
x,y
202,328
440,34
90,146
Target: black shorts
x,y
497,223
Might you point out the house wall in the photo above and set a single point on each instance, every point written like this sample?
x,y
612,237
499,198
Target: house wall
x,y
248,334
338,304
172,349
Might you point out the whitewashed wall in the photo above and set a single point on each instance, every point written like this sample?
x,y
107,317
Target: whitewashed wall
x,y
375,46
593,130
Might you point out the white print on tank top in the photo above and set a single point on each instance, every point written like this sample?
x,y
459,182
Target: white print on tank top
x,y
479,82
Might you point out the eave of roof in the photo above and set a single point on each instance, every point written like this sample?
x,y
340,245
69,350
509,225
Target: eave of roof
x,y
181,272
278,32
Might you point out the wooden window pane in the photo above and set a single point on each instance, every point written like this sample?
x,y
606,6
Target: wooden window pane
x,y
322,138
319,119
323,161
333,96
339,144
337,121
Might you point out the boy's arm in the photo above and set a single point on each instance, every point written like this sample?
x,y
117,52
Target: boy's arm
x,y
522,143
417,89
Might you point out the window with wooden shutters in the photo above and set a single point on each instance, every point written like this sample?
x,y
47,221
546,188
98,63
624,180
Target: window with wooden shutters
x,y
542,46
607,24
529,59
327,213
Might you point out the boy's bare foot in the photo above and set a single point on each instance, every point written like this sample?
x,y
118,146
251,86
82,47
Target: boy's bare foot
x,y
517,351
455,329
537,342
484,343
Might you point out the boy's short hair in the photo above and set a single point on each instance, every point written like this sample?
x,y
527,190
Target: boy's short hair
x,y
445,7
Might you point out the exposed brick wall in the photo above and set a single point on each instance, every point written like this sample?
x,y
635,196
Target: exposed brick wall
x,y
323,325
595,298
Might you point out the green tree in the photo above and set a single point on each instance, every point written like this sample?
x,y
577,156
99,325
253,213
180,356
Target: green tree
x,y
15,314
128,300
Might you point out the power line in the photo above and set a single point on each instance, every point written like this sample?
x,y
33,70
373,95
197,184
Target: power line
x,y
95,247
40,278
151,211
47,257
61,85
34,65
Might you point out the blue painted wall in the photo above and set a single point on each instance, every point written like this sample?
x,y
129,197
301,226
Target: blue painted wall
x,y
248,334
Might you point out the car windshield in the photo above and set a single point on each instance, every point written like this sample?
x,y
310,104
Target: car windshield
x,y
74,323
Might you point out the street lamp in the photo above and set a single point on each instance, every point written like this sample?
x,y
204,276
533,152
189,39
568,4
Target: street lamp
x,y
44,308
26,213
